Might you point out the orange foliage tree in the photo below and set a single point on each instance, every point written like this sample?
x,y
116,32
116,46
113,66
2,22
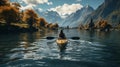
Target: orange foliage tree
x,y
52,26
9,14
4,2
103,25
30,17
16,5
55,25
42,22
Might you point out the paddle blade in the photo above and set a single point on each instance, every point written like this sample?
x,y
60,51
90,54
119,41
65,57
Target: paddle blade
x,y
50,38
75,38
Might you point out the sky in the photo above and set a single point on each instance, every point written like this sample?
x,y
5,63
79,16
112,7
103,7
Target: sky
x,y
62,7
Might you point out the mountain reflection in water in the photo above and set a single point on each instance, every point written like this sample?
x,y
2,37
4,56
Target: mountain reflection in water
x,y
94,49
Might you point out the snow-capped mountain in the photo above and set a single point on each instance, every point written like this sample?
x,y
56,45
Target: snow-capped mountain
x,y
73,20
50,16
77,18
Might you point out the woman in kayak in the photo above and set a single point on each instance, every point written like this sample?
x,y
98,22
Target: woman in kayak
x,y
62,35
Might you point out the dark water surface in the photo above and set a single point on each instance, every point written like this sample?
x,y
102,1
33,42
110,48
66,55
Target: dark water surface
x,y
94,49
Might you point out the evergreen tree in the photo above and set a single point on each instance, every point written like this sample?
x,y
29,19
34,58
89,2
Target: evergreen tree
x,y
91,24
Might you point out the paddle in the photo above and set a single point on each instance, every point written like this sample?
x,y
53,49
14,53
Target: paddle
x,y
74,38
50,38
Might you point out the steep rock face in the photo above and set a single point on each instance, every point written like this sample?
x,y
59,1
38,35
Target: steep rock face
x,y
109,10
77,18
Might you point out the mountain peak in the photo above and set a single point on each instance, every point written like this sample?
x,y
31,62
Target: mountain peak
x,y
88,7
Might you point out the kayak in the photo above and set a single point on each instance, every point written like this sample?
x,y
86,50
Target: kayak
x,y
62,43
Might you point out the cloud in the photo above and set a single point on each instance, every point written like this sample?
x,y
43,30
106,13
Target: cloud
x,y
49,3
66,9
33,3
27,7
31,7
36,2
39,10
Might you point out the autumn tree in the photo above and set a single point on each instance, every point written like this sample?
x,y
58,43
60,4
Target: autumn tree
x,y
30,17
48,25
42,22
9,14
16,5
4,2
55,25
52,26
103,25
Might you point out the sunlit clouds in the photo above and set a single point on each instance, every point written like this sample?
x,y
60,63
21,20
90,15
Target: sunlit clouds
x,y
35,1
66,9
27,7
32,3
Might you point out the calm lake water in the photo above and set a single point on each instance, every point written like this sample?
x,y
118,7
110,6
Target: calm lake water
x,y
94,49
